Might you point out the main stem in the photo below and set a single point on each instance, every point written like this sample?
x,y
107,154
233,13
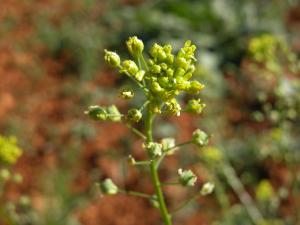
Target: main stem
x,y
154,174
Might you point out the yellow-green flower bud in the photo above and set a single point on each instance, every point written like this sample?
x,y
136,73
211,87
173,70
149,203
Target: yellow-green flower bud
x,y
154,201
164,66
97,112
140,75
158,52
112,58
182,84
195,106
179,72
200,138
167,49
131,160
127,94
169,59
191,68
154,149
182,63
130,67
165,82
156,88
134,115
156,69
188,75
113,113
195,87
135,46
207,188
264,191
173,107
170,72
187,177
9,151
108,187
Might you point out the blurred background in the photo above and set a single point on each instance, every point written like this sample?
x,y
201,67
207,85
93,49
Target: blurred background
x,y
51,70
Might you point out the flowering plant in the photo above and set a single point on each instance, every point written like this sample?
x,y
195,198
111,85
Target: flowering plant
x,y
162,77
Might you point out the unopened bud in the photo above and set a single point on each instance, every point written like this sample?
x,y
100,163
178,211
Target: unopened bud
x,y
154,149
156,69
131,160
195,106
127,94
135,46
207,188
200,138
112,58
195,87
134,115
173,107
96,112
108,187
167,144
113,113
187,177
140,75
130,67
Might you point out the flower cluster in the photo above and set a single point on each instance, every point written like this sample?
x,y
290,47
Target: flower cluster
x,y
163,76
9,151
273,52
169,75
263,48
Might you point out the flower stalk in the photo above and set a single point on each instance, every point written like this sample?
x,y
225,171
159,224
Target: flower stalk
x,y
162,76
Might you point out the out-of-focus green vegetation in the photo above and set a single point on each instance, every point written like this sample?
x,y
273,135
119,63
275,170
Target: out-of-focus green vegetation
x,y
249,61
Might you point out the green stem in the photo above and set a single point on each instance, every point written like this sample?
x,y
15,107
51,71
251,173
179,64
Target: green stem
x,y
154,174
144,62
142,163
136,131
135,193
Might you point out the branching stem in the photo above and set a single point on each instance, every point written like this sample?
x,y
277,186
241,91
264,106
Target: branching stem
x,y
154,174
